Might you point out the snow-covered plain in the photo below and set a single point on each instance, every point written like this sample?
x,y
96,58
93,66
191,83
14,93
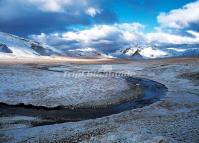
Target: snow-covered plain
x,y
32,86
173,119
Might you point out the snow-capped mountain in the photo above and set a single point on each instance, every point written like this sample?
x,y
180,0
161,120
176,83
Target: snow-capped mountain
x,y
140,53
11,45
149,52
20,47
84,52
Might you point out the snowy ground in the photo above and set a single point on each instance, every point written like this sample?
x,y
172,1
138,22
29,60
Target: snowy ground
x,y
31,86
173,119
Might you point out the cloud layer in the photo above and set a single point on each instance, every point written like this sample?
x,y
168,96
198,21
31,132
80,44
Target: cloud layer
x,y
106,38
181,18
59,23
25,17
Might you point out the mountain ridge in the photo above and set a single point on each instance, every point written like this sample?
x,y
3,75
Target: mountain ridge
x,y
12,45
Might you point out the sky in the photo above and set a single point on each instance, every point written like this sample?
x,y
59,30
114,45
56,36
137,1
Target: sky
x,y
102,24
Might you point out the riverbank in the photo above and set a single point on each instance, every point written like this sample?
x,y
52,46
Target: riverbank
x,y
175,118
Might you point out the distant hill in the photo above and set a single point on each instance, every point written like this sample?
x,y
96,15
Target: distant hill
x,y
21,47
11,45
150,52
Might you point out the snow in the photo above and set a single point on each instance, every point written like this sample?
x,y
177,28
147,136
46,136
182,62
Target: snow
x,y
173,119
15,122
22,47
23,52
51,89
90,52
130,52
144,52
153,53
150,52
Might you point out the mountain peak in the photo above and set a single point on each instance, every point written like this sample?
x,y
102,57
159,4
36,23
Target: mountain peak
x,y
21,47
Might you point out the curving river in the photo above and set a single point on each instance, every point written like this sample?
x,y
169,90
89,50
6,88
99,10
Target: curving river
x,y
153,91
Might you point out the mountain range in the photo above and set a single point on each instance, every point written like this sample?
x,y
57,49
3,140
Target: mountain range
x,y
11,45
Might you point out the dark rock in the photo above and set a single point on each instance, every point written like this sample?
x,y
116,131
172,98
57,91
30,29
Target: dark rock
x,y
41,50
4,49
137,55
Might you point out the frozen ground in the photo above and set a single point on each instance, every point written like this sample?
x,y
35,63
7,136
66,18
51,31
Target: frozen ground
x,y
32,86
173,119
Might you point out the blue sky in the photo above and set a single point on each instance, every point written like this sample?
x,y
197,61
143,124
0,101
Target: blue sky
x,y
154,21
24,17
144,11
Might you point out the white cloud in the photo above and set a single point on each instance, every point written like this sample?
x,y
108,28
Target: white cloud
x,y
161,37
93,11
135,26
180,18
68,6
128,32
177,49
77,6
193,33
177,20
115,35
88,49
131,31
94,33
50,5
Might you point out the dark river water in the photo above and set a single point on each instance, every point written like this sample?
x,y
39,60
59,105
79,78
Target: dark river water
x,y
153,92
